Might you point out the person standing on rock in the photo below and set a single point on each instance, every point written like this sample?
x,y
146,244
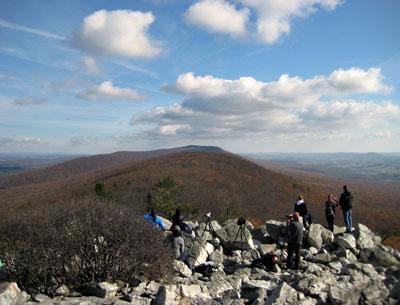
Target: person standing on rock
x,y
346,203
301,208
295,238
330,210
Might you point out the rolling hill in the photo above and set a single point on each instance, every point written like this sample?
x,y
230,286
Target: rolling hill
x,y
212,179
88,164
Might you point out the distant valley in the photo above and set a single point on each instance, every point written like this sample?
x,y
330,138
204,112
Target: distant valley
x,y
370,167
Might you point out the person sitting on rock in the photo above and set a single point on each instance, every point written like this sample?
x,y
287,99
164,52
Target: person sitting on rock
x,y
295,238
268,261
330,207
301,208
346,203
152,216
179,243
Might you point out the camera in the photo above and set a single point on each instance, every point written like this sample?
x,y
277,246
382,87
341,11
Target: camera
x,y
241,221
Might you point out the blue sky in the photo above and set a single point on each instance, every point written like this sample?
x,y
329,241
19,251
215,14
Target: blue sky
x,y
247,75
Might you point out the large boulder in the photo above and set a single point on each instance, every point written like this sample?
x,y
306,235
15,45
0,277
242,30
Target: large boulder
x,y
378,257
198,252
344,293
168,295
182,294
314,286
10,294
275,229
346,241
318,235
219,285
232,239
182,269
100,290
286,295
365,237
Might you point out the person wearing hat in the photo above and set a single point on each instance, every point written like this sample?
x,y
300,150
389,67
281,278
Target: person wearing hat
x,y
295,238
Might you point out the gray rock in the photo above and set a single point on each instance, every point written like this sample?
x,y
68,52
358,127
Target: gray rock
x,y
218,285
100,290
182,269
62,291
275,229
344,293
346,241
377,256
231,240
315,286
198,252
321,258
286,295
217,257
10,294
318,235
194,291
136,299
168,295
83,301
347,254
365,237
336,266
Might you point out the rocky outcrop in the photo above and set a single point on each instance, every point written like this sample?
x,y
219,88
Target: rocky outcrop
x,y
10,294
232,238
343,269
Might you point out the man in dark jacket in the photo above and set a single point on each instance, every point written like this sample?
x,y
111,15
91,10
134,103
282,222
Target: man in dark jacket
x,y
295,238
346,203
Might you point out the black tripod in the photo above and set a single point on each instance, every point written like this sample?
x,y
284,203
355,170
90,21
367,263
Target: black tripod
x,y
208,227
241,232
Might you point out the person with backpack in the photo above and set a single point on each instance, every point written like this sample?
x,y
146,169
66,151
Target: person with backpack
x,y
346,204
301,208
330,210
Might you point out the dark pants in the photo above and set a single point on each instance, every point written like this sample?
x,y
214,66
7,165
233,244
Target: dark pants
x,y
293,249
306,221
331,220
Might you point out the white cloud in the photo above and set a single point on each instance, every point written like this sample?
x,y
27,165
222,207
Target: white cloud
x,y
29,101
108,91
83,140
21,141
356,80
273,17
218,16
90,65
245,107
117,33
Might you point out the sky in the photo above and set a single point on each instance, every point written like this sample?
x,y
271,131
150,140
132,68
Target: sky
x,y
247,75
